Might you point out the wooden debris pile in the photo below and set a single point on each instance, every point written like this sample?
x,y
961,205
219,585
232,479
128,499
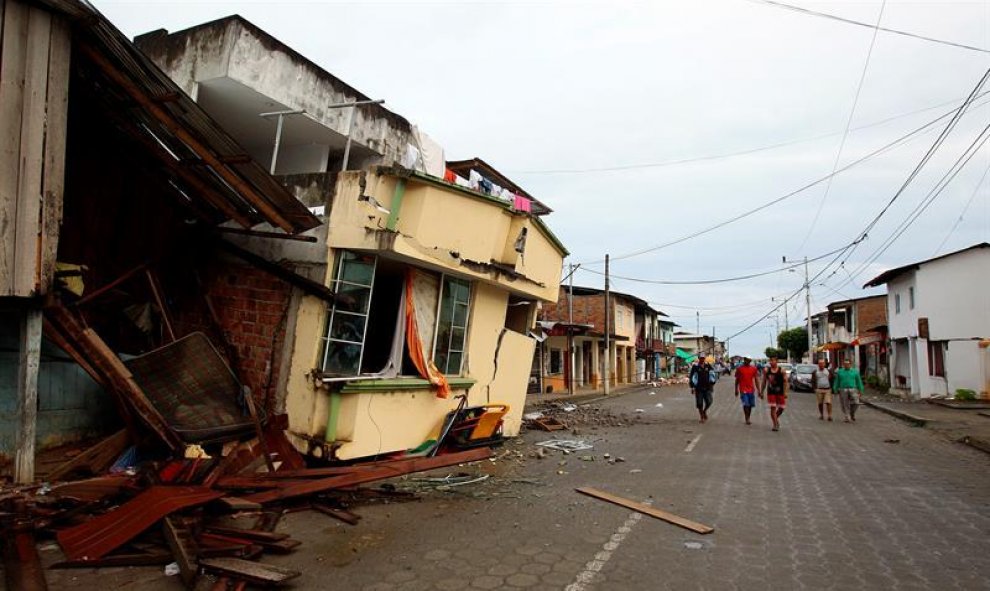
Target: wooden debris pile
x,y
190,511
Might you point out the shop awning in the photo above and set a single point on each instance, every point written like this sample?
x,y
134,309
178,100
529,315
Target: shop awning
x,y
833,346
686,356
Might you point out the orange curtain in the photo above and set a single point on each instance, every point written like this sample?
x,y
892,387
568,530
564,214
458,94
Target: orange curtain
x,y
424,365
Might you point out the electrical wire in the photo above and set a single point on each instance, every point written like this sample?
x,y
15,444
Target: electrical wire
x,y
845,134
746,152
959,220
868,25
904,138
712,281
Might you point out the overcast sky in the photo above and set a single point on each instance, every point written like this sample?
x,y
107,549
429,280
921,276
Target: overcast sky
x,y
550,93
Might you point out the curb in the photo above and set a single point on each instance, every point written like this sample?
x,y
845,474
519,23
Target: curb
x,y
900,414
590,396
975,443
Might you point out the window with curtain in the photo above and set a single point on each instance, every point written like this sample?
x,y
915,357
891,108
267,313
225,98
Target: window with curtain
x,y
936,358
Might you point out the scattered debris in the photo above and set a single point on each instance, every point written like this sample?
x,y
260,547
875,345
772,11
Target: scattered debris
x,y
891,440
659,405
635,471
532,416
569,407
694,545
549,424
647,510
639,410
566,445
578,416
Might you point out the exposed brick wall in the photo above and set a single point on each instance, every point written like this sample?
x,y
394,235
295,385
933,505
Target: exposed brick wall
x,y
870,313
251,307
587,310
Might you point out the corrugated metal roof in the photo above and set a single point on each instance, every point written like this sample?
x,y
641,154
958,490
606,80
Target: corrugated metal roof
x,y
233,185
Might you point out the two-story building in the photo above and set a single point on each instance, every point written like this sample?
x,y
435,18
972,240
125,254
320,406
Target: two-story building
x,y
438,267
654,345
856,330
939,314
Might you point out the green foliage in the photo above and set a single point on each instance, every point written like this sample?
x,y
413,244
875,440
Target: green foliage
x,y
774,352
965,394
794,340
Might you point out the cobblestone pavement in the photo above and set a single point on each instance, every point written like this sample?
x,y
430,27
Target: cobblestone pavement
x,y
815,506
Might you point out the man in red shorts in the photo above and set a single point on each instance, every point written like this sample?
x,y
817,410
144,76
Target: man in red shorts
x,y
746,386
775,386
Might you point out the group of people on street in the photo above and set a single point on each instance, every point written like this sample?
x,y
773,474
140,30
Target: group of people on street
x,y
771,382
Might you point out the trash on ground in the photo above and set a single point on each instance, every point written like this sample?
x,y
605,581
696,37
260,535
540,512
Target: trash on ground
x,y
567,445
647,510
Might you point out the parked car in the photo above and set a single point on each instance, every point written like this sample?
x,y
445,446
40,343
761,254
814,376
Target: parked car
x,y
800,378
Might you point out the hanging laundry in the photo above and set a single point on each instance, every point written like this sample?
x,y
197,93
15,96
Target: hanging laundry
x,y
475,179
521,203
496,190
485,185
507,195
449,176
411,157
461,181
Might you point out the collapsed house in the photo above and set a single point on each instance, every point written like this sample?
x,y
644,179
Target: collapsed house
x,y
357,290
439,267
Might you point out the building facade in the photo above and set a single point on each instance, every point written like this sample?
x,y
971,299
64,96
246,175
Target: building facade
x,y
939,314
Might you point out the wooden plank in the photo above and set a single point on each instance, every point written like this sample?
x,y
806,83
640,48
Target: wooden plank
x,y
22,565
56,125
380,473
96,459
156,293
239,504
647,510
12,52
183,549
248,534
345,516
262,444
27,230
254,572
27,395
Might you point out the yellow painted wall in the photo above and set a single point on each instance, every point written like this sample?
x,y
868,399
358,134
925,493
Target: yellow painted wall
x,y
372,423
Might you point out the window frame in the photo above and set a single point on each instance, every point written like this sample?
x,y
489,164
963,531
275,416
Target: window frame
x,y
897,303
339,264
936,359
444,277
911,298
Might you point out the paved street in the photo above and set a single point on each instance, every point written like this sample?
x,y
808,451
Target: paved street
x,y
814,506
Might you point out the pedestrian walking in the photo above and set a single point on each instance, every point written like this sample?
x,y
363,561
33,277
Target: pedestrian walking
x,y
746,386
821,380
849,386
702,379
775,386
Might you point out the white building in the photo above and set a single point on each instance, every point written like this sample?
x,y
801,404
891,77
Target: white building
x,y
938,311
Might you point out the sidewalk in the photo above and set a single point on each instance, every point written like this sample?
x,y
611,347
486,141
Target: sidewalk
x,y
970,426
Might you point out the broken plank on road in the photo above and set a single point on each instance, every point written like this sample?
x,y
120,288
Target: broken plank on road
x,y
647,510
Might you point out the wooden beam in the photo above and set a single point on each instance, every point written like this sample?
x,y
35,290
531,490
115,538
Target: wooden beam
x,y
254,572
261,234
647,510
180,131
105,288
304,283
96,459
29,363
156,293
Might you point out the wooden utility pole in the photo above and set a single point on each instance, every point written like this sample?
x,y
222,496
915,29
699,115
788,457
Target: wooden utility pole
x,y
29,363
608,328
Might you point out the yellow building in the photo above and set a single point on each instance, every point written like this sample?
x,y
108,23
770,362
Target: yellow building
x,y
472,269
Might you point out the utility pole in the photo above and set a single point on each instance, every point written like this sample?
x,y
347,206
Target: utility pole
x,y
807,299
608,327
697,322
570,328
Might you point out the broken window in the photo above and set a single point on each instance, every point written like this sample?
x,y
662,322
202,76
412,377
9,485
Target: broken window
x,y
556,361
366,326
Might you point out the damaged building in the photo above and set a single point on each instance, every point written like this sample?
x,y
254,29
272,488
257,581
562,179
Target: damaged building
x,y
209,211
439,267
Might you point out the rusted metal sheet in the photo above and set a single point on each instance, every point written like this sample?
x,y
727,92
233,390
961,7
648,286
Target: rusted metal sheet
x,y
97,537
93,489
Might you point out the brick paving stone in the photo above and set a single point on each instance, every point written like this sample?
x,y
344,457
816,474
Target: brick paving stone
x,y
487,582
522,580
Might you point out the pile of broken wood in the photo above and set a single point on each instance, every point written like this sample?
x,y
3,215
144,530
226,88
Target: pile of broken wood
x,y
182,510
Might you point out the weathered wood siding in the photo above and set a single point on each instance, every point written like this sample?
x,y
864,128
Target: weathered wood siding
x,y
34,87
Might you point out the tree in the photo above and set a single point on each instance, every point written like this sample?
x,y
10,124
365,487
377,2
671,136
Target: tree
x,y
794,340
775,352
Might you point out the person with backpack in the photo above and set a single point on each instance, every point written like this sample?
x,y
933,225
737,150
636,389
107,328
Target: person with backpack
x,y
775,386
702,379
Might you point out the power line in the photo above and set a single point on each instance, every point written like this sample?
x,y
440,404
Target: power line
x,y
868,25
845,134
777,200
711,281
959,220
746,152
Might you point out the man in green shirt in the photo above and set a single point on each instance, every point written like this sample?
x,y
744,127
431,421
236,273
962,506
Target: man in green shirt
x,y
849,386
